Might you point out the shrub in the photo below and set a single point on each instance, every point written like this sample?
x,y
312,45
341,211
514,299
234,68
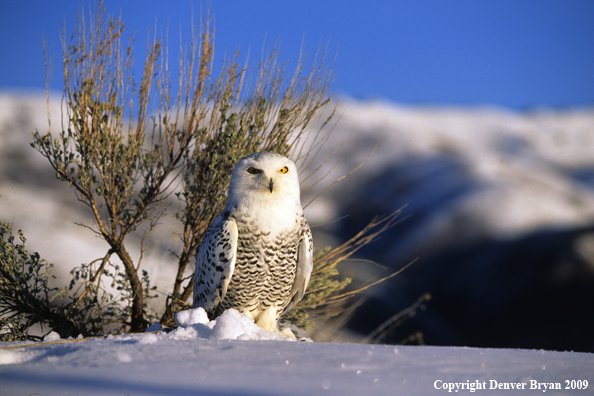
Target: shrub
x,y
25,295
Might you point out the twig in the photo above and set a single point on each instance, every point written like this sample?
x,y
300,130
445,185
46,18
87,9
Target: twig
x,y
394,318
91,281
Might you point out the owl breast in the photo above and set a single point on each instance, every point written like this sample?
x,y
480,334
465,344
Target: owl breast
x,y
264,269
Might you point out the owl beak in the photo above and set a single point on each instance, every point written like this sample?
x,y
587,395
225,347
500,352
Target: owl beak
x,y
270,185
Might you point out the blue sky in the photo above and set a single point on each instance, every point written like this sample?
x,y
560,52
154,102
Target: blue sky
x,y
512,53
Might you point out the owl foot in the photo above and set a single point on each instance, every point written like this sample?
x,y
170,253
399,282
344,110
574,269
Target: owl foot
x,y
287,333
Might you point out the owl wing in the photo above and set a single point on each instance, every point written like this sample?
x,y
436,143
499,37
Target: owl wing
x,y
215,263
304,268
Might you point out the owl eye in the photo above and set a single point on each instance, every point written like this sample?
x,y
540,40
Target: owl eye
x,y
284,170
253,171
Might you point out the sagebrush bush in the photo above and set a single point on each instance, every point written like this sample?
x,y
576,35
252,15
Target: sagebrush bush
x,y
25,294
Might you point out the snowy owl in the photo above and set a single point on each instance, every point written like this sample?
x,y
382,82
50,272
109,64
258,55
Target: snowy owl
x,y
256,255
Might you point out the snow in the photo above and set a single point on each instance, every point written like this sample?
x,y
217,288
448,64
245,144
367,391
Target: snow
x,y
234,358
519,162
191,317
51,336
231,325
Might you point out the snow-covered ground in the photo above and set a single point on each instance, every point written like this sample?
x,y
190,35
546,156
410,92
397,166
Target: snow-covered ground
x,y
231,356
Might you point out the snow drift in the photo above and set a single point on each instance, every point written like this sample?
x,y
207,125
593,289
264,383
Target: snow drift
x,y
216,358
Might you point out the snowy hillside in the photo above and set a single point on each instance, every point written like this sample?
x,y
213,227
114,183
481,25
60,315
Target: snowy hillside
x,y
499,211
220,360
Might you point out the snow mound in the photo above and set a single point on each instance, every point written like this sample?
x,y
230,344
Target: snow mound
x,y
231,325
52,336
191,317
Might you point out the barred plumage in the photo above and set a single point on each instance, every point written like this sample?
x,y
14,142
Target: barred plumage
x,y
256,256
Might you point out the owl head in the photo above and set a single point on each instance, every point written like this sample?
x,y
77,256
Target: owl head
x,y
264,177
